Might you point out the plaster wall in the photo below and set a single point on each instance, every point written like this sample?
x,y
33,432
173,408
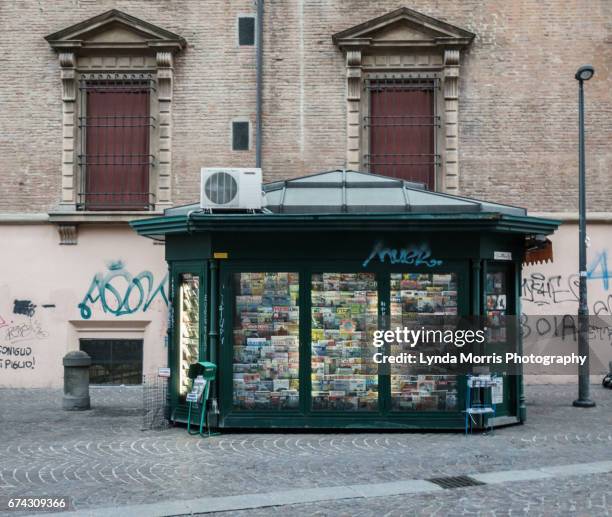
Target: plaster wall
x,y
549,296
113,284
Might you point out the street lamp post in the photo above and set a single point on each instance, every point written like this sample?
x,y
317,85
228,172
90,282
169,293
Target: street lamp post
x,y
584,73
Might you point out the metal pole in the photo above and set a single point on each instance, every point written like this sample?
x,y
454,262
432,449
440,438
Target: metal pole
x,y
583,308
259,83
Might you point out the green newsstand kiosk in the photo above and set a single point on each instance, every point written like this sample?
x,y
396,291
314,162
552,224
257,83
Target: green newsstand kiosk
x,y
280,299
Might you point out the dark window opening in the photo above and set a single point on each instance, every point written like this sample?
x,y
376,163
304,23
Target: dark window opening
x,y
402,129
114,361
246,31
240,136
115,156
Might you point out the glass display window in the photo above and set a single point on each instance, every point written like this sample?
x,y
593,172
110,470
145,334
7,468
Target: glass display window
x,y
413,295
266,341
189,328
344,317
496,306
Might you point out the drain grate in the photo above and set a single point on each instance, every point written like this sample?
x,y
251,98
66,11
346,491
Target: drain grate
x,y
455,481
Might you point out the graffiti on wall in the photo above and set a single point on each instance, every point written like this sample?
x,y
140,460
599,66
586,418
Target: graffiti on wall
x,y
17,337
557,295
118,292
565,327
25,307
546,290
417,255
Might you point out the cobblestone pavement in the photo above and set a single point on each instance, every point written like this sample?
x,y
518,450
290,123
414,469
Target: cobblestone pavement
x,y
102,458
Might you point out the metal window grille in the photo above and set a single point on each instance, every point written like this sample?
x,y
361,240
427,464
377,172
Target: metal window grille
x,y
401,128
115,157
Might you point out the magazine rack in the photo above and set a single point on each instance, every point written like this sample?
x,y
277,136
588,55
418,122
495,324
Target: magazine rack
x,y
201,374
473,409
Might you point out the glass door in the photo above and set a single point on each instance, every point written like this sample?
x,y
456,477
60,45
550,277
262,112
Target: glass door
x,y
499,310
188,328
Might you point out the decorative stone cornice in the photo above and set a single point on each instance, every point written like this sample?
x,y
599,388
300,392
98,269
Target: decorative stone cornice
x,y
164,75
451,74
353,74
67,63
85,35
68,234
451,57
419,31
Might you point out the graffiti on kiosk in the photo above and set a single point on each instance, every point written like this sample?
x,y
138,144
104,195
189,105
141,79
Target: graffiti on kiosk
x,y
119,292
415,255
542,289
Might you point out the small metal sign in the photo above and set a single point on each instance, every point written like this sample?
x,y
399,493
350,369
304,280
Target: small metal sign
x,y
192,396
163,372
502,255
221,255
497,392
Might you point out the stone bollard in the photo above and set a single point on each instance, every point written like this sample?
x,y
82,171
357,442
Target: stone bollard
x,y
76,381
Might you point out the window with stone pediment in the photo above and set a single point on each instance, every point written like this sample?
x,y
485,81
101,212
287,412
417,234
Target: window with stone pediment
x,y
116,73
402,73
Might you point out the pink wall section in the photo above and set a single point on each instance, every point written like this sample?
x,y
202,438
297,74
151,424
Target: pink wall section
x,y
112,284
549,297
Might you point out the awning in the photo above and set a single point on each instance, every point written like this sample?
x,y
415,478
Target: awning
x,y
538,251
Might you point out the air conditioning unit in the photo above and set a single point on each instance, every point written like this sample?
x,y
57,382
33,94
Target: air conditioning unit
x,y
234,189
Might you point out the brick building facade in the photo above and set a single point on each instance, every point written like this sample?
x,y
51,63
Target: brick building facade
x,y
504,107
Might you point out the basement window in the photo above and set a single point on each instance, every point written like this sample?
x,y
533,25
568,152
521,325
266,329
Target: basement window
x,y
114,361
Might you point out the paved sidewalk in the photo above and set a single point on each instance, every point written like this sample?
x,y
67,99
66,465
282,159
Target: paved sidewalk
x,y
372,494
101,458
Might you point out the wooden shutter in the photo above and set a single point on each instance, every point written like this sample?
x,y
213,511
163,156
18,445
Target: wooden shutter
x,y
402,134
117,153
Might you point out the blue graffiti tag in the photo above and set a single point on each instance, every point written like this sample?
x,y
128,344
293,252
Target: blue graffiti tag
x,y
414,255
599,269
135,292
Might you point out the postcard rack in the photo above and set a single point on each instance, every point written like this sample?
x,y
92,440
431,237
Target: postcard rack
x,y
474,409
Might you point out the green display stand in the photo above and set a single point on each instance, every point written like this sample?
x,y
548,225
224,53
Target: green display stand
x,y
201,374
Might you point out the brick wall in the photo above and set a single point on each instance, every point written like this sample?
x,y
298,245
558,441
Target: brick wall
x,y
518,114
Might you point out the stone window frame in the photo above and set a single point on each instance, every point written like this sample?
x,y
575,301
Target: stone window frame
x,y
139,48
430,48
106,329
